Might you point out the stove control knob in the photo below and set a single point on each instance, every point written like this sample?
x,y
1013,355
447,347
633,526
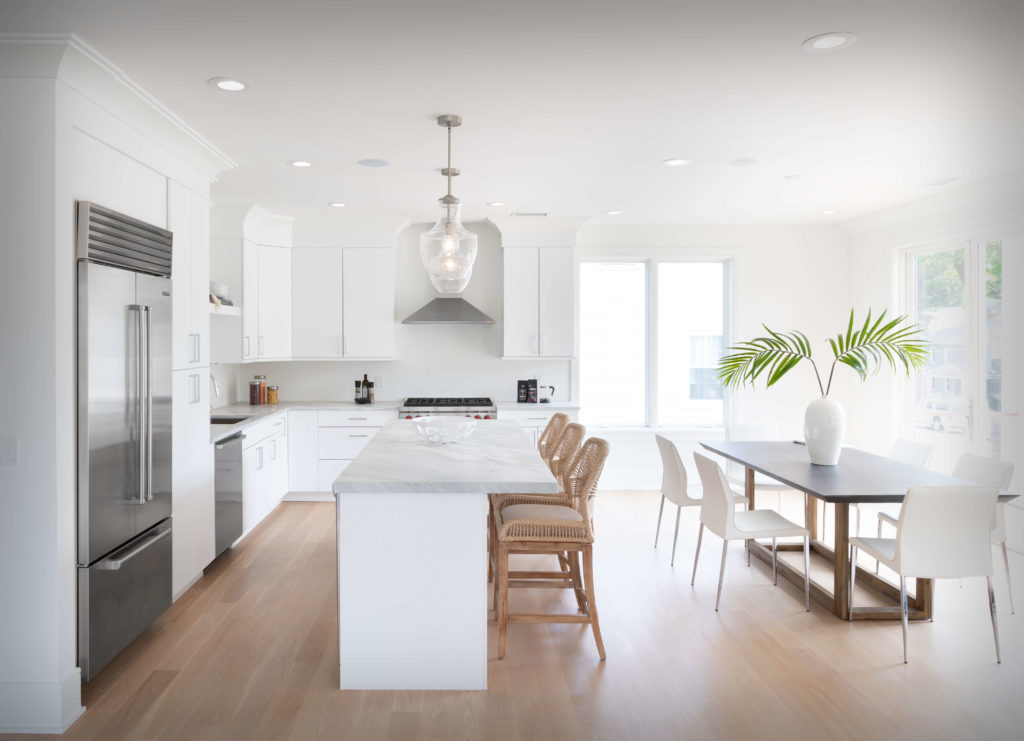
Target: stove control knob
x,y
408,416
479,417
487,416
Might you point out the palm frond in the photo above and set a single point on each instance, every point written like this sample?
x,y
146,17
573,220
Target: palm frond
x,y
773,355
873,345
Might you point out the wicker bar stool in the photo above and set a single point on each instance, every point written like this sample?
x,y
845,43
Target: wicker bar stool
x,y
551,434
561,450
536,524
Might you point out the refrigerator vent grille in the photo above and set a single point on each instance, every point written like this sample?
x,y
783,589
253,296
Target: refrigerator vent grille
x,y
111,238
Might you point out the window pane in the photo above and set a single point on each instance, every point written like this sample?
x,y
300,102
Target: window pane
x,y
690,342
613,343
992,345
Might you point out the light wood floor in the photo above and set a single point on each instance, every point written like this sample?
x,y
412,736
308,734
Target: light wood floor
x,y
251,652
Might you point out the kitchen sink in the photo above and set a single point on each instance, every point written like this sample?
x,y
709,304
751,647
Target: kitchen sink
x,y
226,420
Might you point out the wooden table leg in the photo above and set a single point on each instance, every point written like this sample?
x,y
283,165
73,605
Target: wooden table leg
x,y
811,515
841,580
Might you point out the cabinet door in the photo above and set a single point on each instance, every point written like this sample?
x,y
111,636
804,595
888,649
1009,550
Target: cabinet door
x,y
556,300
179,221
328,471
255,485
317,306
199,304
275,303
278,481
302,450
369,303
250,300
192,495
520,302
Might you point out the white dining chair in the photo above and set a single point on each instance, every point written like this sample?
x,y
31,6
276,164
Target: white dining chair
x,y
736,472
987,472
675,488
942,532
903,450
718,514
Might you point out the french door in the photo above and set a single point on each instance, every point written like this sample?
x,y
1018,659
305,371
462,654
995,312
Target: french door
x,y
968,398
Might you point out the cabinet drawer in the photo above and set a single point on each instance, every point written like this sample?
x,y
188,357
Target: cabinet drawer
x,y
327,472
357,417
528,417
259,431
343,442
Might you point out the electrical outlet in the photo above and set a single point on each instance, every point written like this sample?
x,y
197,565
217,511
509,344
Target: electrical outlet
x,y
377,381
8,450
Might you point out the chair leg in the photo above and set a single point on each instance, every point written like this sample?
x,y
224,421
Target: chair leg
x,y
904,613
853,578
775,563
1009,586
877,562
721,573
992,610
574,571
502,587
696,554
588,578
657,531
490,542
807,572
672,561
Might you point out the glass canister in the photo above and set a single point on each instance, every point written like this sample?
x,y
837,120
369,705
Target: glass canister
x,y
262,380
271,394
254,392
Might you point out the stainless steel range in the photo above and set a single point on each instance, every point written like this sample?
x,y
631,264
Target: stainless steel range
x,y
480,407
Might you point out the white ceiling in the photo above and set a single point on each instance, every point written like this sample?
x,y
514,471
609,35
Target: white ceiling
x,y
569,106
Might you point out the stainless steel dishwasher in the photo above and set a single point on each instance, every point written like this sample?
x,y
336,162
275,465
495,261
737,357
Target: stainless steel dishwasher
x,y
228,487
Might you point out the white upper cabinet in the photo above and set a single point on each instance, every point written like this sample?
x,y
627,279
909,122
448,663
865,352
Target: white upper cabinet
x,y
317,308
274,341
250,300
343,303
539,294
369,303
188,219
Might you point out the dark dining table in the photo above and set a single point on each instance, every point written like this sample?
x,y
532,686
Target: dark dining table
x,y
859,478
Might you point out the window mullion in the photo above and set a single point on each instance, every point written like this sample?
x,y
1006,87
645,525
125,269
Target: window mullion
x,y
652,344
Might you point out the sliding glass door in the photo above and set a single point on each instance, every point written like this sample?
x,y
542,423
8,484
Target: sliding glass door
x,y
956,292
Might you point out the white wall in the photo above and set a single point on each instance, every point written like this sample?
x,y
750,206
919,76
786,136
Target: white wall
x,y
433,360
787,277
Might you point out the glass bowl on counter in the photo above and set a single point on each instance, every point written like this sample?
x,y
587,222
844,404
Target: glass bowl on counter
x,y
440,430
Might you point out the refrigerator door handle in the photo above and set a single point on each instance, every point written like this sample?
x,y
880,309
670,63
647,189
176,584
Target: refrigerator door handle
x,y
149,402
140,399
119,558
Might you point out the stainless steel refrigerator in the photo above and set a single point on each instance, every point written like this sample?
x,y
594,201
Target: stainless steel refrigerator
x,y
124,431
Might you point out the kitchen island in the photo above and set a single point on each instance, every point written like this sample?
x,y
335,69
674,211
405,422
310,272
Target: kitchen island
x,y
412,554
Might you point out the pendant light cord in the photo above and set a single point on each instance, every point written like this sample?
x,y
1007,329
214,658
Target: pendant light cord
x,y
449,159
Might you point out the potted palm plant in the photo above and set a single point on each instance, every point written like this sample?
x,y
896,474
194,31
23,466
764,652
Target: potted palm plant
x,y
865,348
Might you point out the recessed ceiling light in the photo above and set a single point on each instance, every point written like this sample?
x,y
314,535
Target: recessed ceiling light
x,y
742,162
300,163
676,162
495,203
828,212
338,204
227,84
829,41
612,213
373,163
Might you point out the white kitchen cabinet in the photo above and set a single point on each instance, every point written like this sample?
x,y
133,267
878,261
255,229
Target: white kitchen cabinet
x,y
534,418
264,469
192,476
341,435
302,450
318,313
250,300
188,218
368,294
255,486
274,303
539,296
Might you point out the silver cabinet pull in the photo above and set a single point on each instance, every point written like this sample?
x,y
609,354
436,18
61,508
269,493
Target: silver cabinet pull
x,y
358,435
261,346
140,399
341,350
540,344
245,350
344,345
148,311
116,560
358,419
259,458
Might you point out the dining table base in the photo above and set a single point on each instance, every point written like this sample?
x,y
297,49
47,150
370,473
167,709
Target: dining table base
x,y
837,599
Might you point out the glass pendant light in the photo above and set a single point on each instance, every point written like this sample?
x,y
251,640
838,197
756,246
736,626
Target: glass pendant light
x,y
448,249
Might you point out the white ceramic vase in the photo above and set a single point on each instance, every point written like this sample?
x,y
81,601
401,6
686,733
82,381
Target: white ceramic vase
x,y
824,424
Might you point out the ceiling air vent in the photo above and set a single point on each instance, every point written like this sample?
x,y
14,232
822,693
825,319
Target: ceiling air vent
x,y
529,213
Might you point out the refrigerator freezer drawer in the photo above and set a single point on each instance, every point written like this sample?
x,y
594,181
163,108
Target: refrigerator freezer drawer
x,y
121,595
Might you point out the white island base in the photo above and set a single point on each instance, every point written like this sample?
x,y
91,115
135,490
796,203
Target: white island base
x,y
412,554
412,591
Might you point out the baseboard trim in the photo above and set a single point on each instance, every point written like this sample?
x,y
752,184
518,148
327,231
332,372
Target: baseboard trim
x,y
41,707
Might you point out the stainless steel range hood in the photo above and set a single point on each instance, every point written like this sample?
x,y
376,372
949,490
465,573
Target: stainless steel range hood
x,y
448,310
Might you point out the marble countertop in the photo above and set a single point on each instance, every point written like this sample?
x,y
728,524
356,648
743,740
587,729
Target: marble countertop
x,y
529,407
256,413
496,458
